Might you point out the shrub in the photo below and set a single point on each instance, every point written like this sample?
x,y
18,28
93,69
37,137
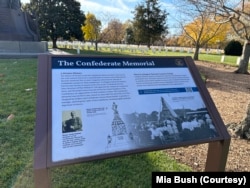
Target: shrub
x,y
233,48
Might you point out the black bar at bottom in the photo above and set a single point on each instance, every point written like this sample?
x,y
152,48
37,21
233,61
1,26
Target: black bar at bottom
x,y
198,179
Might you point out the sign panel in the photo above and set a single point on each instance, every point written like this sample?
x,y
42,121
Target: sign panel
x,y
105,106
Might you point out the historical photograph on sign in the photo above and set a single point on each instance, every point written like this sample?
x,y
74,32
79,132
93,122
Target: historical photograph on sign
x,y
159,127
109,105
72,121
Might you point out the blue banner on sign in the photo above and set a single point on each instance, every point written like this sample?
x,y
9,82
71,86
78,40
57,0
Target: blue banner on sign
x,y
167,90
116,62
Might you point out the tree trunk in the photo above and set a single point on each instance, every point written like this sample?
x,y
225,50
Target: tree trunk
x,y
54,43
96,45
148,45
196,53
243,129
244,60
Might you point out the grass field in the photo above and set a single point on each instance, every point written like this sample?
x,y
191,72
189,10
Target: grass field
x,y
229,60
18,84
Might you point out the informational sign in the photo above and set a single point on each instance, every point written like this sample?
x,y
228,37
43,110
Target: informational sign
x,y
103,106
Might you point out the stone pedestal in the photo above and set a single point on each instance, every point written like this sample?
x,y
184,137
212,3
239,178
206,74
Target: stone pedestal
x,y
22,49
16,25
19,36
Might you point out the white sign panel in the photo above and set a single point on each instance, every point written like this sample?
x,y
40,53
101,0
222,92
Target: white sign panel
x,y
106,105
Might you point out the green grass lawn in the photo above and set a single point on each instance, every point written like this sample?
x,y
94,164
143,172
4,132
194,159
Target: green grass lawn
x,y
18,84
17,97
228,60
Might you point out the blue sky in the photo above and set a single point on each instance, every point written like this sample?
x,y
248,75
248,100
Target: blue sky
x,y
105,10
120,9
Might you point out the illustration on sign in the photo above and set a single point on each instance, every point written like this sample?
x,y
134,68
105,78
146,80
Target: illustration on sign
x,y
122,104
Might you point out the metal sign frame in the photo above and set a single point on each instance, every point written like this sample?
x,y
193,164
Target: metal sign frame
x,y
50,67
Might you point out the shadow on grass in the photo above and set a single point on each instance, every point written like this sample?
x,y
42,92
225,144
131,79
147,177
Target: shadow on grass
x,y
131,171
127,171
18,136
228,78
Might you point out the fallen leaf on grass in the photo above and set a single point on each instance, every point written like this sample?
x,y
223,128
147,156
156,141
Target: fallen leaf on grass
x,y
29,89
10,117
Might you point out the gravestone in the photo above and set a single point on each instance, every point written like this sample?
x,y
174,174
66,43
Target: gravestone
x,y
16,25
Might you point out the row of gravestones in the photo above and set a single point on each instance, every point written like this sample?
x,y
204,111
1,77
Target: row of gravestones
x,y
131,48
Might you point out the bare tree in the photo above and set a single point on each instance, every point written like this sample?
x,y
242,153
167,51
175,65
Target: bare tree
x,y
114,32
98,27
237,13
197,25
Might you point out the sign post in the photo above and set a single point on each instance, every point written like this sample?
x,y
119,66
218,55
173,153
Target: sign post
x,y
91,108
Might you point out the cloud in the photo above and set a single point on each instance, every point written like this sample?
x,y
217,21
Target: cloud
x,y
106,10
115,8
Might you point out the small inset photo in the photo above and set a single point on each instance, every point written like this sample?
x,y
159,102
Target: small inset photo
x,y
71,121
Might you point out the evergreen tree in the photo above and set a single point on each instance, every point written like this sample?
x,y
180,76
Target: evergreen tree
x,y
149,22
58,19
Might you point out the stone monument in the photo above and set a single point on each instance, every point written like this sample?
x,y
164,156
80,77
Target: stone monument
x,y
15,24
18,31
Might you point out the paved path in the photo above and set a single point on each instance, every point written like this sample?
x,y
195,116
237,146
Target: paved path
x,y
58,52
31,55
